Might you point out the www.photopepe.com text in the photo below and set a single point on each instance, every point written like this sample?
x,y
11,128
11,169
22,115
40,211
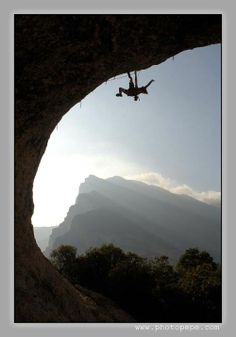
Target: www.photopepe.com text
x,y
177,327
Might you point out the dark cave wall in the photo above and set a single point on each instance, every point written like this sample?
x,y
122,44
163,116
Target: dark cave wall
x,y
59,59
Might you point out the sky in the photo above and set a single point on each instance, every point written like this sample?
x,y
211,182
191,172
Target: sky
x,y
170,138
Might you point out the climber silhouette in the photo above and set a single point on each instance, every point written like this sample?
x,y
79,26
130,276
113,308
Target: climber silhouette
x,y
133,89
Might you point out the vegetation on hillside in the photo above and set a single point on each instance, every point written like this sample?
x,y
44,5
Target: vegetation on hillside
x,y
151,290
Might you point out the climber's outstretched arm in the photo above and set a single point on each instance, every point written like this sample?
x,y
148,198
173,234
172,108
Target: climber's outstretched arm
x,y
148,84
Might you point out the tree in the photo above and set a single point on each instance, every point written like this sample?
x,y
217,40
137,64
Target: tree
x,y
94,266
163,272
64,259
200,282
193,258
132,286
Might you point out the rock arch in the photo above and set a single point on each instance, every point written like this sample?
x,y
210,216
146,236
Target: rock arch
x,y
59,59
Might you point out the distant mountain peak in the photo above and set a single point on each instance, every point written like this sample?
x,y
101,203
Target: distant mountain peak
x,y
90,183
138,217
118,178
92,177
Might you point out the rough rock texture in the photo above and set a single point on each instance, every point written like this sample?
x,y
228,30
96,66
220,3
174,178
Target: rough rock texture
x,y
59,59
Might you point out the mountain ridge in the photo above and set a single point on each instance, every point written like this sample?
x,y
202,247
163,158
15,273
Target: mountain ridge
x,y
145,210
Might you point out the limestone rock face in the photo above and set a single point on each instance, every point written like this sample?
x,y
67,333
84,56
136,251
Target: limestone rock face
x,y
59,59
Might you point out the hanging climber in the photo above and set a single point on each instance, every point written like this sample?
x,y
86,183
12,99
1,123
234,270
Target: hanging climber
x,y
134,90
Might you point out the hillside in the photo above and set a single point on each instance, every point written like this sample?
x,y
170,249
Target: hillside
x,y
141,218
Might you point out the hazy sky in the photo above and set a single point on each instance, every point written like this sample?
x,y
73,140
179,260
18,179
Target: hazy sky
x,y
171,137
